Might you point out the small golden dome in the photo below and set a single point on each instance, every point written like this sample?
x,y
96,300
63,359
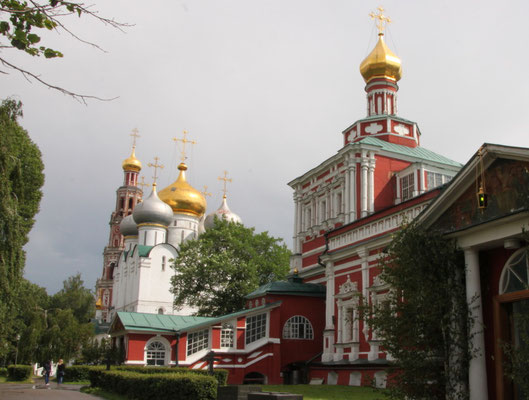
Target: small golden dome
x,y
132,163
182,197
381,63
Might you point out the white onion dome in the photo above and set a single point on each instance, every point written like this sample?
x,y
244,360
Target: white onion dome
x,y
224,213
128,226
153,211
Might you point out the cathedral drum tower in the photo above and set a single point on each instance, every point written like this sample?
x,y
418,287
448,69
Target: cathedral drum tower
x,y
127,196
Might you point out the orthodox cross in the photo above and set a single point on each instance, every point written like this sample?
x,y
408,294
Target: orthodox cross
x,y
205,192
382,19
142,183
184,141
134,135
225,179
155,166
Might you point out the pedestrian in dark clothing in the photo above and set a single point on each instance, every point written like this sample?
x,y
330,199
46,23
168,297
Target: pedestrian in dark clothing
x,y
46,371
60,371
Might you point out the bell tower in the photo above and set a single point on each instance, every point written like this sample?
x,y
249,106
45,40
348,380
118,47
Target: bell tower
x,y
127,196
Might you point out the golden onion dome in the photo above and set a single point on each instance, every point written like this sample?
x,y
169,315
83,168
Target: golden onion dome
x,y
381,63
132,163
182,197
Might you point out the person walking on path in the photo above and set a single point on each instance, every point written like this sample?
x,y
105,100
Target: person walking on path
x,y
60,371
46,371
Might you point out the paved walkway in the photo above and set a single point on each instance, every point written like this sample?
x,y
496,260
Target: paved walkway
x,y
38,390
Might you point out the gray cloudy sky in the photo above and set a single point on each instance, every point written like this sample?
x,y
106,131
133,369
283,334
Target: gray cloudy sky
x,y
265,87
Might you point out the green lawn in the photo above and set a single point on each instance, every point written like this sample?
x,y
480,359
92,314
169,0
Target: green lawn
x,y
328,392
309,392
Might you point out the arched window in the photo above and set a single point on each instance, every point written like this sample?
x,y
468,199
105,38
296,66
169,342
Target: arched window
x,y
298,327
163,263
156,353
515,274
160,311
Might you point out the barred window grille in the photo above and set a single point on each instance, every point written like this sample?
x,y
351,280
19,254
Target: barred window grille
x,y
255,328
197,341
227,335
298,327
156,353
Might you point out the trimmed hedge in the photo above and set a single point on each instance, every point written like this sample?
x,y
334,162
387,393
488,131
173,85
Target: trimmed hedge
x,y
19,372
136,385
79,373
221,375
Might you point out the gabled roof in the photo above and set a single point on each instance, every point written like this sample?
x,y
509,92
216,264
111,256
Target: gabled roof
x,y
157,322
294,286
146,322
415,152
466,178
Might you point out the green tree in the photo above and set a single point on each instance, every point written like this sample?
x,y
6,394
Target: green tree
x,y
21,178
76,297
22,22
228,261
423,321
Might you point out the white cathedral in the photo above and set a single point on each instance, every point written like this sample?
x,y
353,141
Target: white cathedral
x,y
144,238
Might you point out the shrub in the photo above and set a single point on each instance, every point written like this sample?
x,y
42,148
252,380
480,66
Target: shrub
x,y
78,373
3,371
221,375
19,372
136,385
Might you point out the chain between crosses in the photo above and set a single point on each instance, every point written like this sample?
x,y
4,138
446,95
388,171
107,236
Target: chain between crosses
x,y
155,166
184,140
382,20
225,179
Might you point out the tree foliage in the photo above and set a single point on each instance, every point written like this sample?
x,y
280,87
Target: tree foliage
x,y
214,272
21,178
22,22
423,321
50,327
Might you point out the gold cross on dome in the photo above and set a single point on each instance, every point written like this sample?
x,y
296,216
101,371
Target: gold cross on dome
x,y
205,192
382,19
142,183
225,179
134,135
155,166
184,140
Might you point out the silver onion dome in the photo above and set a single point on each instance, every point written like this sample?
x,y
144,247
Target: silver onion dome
x,y
153,211
224,213
128,226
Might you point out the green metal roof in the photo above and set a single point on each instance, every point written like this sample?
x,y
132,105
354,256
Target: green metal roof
x,y
143,251
158,322
293,286
416,152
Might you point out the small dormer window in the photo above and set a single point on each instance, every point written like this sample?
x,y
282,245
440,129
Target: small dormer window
x,y
435,179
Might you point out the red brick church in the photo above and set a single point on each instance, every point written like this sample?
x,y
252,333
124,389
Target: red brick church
x,y
346,209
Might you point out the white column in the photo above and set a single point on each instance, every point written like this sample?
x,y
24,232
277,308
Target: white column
x,y
347,199
364,166
352,192
328,333
371,184
477,374
296,223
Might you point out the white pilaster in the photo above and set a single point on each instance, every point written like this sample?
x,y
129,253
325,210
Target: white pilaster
x,y
328,334
477,374
364,184
371,184
352,191
347,198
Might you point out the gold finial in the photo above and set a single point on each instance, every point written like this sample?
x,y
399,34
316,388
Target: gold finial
x,y
205,192
155,166
184,141
134,135
382,20
225,179
142,183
